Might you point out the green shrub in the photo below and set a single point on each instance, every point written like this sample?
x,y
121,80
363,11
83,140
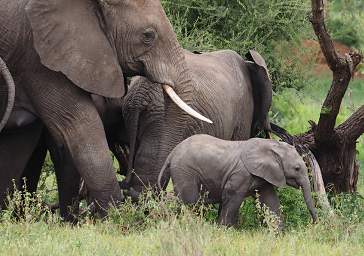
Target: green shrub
x,y
346,22
242,25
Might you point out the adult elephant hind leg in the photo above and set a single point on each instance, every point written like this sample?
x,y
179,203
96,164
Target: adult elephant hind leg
x,y
16,148
68,181
73,121
33,169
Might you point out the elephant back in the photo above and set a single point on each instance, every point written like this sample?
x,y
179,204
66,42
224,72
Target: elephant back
x,y
7,94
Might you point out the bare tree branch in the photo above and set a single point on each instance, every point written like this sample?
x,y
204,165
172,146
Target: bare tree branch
x,y
342,68
327,46
353,127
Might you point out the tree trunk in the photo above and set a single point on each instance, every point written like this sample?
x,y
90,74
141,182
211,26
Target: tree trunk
x,y
339,166
336,155
335,148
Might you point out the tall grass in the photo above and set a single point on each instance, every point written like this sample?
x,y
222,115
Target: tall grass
x,y
162,226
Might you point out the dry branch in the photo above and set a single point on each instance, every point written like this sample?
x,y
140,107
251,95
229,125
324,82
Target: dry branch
x,y
353,127
342,68
334,148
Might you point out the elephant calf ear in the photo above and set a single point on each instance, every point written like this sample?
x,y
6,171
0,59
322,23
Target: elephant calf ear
x,y
68,38
262,160
262,91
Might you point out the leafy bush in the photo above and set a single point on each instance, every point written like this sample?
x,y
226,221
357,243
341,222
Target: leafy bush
x,y
242,25
346,22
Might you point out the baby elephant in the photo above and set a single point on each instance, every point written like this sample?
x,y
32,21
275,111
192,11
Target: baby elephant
x,y
230,171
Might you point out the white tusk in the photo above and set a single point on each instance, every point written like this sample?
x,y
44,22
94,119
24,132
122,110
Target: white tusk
x,y
180,103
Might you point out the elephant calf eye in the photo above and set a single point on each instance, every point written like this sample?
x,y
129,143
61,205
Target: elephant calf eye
x,y
149,36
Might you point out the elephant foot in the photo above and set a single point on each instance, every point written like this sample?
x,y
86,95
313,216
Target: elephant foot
x,y
133,194
124,185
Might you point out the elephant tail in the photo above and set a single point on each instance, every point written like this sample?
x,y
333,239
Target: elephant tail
x,y
262,91
165,173
7,94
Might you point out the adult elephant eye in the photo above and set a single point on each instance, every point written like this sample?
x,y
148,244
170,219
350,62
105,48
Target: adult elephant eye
x,y
149,36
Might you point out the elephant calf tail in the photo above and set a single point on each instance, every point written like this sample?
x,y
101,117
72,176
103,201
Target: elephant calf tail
x,y
7,94
164,171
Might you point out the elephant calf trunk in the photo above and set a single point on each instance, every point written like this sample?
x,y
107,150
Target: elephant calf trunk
x,y
309,201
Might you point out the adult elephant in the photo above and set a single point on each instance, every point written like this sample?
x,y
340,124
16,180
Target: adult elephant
x,y
61,51
235,93
67,176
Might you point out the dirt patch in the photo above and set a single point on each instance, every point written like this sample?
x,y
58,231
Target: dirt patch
x,y
311,54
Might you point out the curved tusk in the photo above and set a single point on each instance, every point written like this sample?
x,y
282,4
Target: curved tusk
x,y
180,103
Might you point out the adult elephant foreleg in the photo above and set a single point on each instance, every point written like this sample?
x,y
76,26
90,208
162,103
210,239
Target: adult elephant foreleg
x,y
73,121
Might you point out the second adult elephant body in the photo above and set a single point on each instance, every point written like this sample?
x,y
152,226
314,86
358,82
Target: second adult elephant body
x,y
235,94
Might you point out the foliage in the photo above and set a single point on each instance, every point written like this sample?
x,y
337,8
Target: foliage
x,y
242,25
346,22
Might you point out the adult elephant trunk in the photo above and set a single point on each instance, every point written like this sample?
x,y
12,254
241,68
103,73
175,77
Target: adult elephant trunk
x,y
177,126
133,133
7,94
305,184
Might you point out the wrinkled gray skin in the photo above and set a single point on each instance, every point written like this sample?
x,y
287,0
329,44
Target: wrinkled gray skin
x,y
230,171
27,160
7,93
226,89
60,51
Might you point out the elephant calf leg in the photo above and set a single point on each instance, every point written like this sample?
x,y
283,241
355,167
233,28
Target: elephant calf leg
x,y
229,209
234,193
187,191
268,196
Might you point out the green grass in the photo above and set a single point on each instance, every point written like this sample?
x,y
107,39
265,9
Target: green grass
x,y
165,227
191,238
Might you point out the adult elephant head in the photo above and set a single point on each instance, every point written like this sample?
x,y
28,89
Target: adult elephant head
x,y
235,93
96,42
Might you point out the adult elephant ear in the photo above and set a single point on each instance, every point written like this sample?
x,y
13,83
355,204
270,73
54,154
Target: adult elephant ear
x,y
263,159
262,91
69,38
